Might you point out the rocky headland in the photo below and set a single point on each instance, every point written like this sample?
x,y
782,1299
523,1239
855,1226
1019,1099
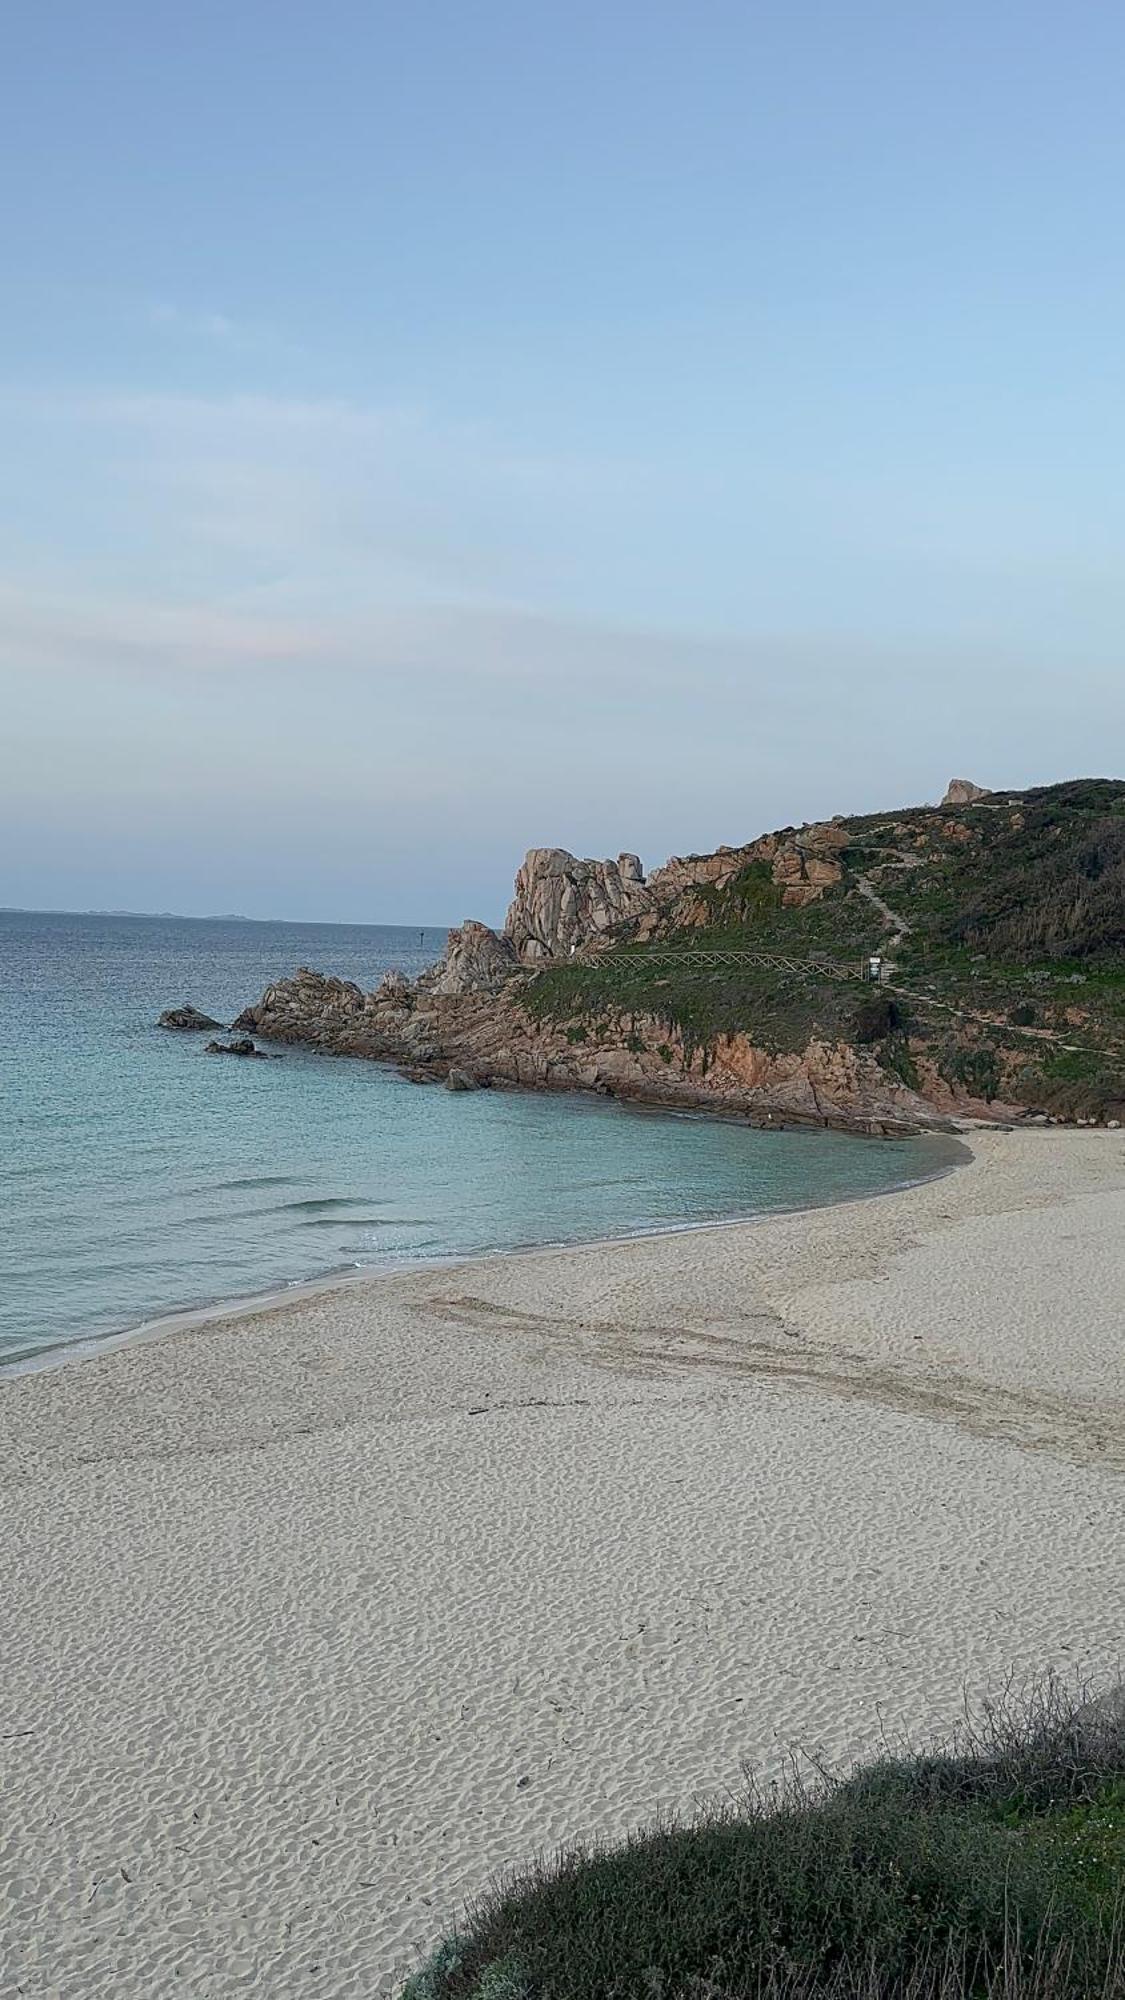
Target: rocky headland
x,y
738,982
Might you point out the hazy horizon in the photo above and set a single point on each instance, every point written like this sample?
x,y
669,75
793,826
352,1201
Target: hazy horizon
x,y
433,433
221,917
493,913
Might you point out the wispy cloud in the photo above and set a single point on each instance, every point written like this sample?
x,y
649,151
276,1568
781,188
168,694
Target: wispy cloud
x,y
188,325
189,532
43,628
178,414
208,325
334,626
318,506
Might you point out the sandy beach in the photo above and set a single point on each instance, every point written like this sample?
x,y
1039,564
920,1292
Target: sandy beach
x,y
316,1616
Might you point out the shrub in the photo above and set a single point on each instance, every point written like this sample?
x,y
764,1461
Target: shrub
x,y
894,1056
750,897
877,1016
976,1068
993,1867
1054,884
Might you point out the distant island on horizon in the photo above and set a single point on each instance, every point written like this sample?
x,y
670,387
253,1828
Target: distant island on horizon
x,y
222,917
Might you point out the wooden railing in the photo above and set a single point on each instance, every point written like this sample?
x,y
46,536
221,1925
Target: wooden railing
x,y
715,960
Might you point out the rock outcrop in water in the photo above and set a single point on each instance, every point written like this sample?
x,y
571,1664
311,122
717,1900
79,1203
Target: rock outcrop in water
x,y
187,1020
314,995
472,1039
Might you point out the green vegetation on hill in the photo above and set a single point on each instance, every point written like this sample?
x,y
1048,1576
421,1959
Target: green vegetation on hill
x,y
994,1869
1033,877
1010,967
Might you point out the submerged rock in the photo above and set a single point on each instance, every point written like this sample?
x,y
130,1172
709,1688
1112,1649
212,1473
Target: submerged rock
x,y
188,1019
242,1047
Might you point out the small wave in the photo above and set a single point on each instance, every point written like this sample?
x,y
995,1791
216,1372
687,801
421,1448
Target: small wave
x,y
346,1222
220,1217
331,1201
429,1249
259,1181
367,1222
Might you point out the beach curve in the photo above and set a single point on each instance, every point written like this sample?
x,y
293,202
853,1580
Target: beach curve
x,y
355,1600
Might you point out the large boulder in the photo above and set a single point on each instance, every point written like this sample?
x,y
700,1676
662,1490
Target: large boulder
x,y
476,960
561,903
291,1005
394,990
963,792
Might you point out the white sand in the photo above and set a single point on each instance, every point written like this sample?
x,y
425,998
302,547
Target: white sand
x,y
297,1648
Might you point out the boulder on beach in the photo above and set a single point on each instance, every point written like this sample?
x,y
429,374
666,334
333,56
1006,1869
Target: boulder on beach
x,y
188,1019
459,1079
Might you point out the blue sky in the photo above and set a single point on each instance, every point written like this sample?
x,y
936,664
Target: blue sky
x,y
432,430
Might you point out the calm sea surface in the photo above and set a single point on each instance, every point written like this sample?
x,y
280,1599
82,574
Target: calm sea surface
x,y
139,1176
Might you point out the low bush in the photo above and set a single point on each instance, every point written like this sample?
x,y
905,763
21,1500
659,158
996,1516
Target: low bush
x,y
895,1056
877,1016
991,1868
976,1067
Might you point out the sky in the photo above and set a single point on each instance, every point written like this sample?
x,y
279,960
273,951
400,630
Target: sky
x,y
430,430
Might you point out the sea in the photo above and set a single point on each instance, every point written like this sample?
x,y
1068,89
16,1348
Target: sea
x,y
140,1177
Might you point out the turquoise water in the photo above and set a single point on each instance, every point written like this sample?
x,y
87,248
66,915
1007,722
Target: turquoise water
x,y
139,1176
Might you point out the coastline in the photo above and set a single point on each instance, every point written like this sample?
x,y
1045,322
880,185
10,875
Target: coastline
x,y
183,1319
318,1614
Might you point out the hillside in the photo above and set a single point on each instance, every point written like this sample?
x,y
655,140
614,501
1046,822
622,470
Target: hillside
x,y
1002,921
734,979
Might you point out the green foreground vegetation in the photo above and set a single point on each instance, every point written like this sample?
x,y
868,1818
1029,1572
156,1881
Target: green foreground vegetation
x,y
993,1868
1009,975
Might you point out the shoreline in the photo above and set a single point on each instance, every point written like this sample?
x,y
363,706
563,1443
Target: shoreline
x,y
638,1093
317,1618
275,1298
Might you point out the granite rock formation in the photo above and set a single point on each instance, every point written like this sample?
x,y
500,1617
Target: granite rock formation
x,y
476,960
333,1002
187,1020
561,903
472,1039
963,792
802,862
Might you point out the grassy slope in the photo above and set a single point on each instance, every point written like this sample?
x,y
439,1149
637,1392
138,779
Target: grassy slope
x,y
1016,912
996,1868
